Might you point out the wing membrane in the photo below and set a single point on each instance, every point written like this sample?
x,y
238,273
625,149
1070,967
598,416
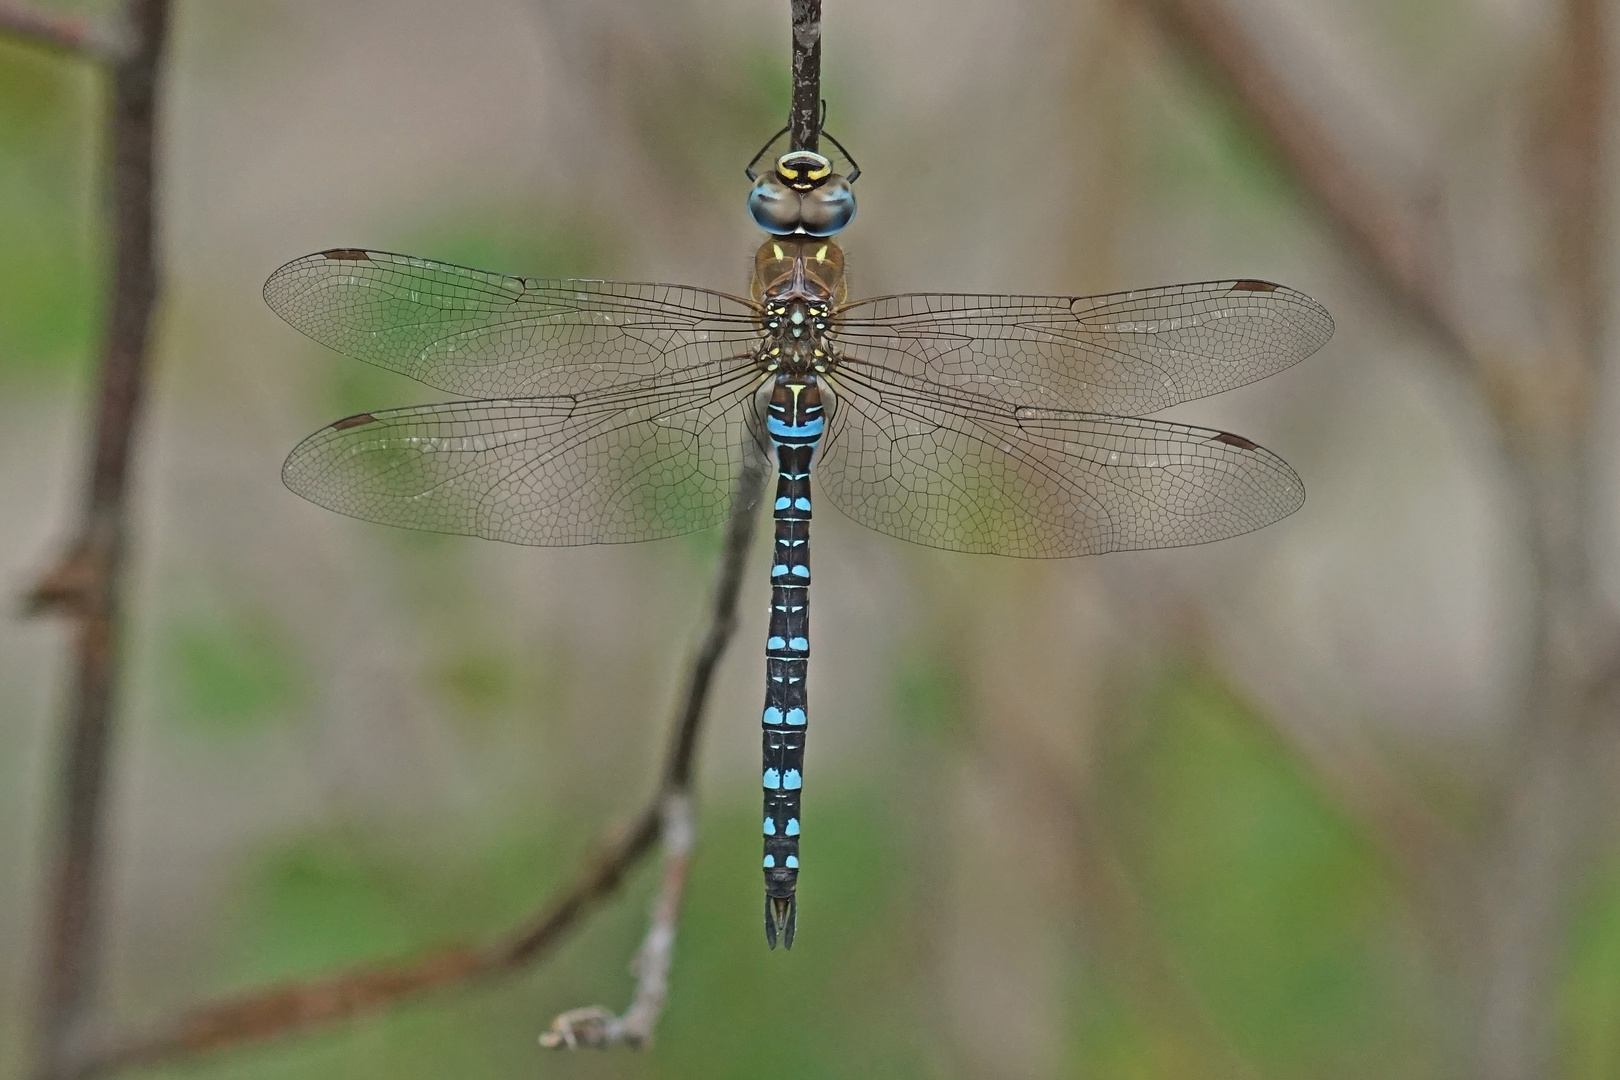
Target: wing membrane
x,y
495,336
964,472
1127,354
636,464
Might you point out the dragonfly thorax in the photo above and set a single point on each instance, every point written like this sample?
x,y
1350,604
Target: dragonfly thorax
x,y
795,329
797,283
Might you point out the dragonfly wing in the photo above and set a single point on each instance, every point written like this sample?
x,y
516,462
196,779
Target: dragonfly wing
x,y
551,471
1127,354
491,335
965,472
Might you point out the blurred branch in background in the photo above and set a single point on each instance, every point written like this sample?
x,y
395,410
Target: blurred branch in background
x,y
90,38
1524,873
1396,245
1533,861
317,1003
1117,930
86,583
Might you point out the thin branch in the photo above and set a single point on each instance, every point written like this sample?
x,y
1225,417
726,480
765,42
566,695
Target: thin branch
x,y
87,581
306,1006
309,1005
1390,240
90,38
804,114
596,1027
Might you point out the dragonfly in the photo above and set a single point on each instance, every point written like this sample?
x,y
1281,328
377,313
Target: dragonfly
x,y
606,412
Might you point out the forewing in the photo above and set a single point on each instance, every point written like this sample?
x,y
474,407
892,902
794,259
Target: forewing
x,y
638,464
491,335
1128,354
969,473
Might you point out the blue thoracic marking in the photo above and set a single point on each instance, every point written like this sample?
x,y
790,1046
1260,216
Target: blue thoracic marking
x,y
792,862
798,643
773,715
792,827
783,503
770,861
773,780
770,828
791,780
794,717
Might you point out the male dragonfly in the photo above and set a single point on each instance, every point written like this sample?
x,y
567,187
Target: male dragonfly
x,y
604,412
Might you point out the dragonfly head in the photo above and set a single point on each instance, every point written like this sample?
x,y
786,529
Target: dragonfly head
x,y
802,195
803,170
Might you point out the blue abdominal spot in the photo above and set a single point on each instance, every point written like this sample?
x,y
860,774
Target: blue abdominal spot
x,y
794,431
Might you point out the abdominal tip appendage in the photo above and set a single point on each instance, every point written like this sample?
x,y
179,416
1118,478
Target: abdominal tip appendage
x,y
780,916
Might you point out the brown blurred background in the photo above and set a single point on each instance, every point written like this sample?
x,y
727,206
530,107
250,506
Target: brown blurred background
x,y
1327,801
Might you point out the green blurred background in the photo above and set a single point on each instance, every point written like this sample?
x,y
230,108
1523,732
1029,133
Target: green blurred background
x,y
1066,819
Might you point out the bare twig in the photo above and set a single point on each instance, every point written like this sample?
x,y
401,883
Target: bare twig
x,y
318,1003
804,113
309,1005
597,1027
65,33
87,581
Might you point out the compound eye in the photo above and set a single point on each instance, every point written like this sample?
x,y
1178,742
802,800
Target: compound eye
x,y
774,206
828,208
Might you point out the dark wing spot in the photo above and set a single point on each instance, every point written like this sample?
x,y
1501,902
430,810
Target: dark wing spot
x,y
1226,437
1249,285
354,421
347,255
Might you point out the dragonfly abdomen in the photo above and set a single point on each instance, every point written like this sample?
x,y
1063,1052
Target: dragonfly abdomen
x,y
795,423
